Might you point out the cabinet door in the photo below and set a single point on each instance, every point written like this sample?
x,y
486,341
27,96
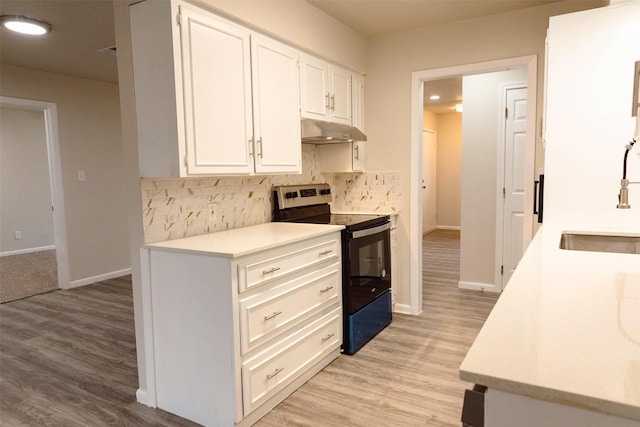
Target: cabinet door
x,y
276,107
357,96
357,151
340,101
216,76
314,96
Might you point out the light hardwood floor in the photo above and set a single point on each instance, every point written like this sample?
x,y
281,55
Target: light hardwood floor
x,y
67,358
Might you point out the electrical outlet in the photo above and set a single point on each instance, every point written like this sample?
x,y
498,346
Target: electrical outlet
x,y
17,235
81,176
211,209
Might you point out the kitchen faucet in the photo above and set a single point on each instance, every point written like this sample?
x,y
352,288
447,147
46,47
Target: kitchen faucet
x,y
623,197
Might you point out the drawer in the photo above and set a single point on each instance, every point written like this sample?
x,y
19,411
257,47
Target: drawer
x,y
268,314
264,268
265,375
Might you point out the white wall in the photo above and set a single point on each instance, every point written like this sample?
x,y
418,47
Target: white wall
x,y
90,140
480,144
25,205
391,60
449,169
589,118
302,25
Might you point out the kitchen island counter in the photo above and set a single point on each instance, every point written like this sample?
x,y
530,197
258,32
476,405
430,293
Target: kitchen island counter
x,y
565,330
247,240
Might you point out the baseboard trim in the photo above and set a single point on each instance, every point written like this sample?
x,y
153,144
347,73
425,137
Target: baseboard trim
x,y
401,308
99,278
475,286
27,251
143,397
448,227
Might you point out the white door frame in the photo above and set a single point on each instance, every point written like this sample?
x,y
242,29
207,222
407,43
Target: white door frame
x,y
435,135
55,178
418,78
504,88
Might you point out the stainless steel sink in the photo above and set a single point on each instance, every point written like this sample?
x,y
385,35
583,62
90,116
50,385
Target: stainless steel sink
x,y
629,244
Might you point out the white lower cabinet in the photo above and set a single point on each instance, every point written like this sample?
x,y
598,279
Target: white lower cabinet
x,y
279,365
231,339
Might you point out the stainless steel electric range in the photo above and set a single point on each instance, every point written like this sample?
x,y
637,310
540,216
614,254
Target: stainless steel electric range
x,y
366,258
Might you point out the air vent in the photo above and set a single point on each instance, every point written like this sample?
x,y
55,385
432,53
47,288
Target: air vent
x,y
112,50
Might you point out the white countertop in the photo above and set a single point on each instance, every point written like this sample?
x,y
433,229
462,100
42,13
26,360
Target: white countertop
x,y
247,240
566,329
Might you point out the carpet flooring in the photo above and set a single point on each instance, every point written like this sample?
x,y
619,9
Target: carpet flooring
x,y
26,275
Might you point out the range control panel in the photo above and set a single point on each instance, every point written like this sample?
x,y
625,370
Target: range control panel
x,y
292,196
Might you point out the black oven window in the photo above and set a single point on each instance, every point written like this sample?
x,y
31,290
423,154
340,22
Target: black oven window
x,y
369,269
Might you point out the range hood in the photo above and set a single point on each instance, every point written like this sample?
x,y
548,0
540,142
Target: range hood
x,y
319,132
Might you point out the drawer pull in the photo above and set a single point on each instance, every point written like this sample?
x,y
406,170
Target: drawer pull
x,y
327,289
275,314
276,372
271,270
328,337
325,252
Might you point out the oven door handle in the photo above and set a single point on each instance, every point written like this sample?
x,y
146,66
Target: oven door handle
x,y
371,231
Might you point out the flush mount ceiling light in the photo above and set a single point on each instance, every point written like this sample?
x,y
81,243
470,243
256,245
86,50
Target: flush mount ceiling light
x,y
23,25
434,97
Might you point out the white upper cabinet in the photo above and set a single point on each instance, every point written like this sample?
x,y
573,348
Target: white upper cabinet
x,y
212,97
357,97
276,106
340,84
315,97
216,76
326,90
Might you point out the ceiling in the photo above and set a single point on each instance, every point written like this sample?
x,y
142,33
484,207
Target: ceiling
x,y
79,29
82,27
450,92
378,17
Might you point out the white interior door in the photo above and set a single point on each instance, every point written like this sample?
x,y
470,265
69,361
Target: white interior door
x,y
428,181
514,179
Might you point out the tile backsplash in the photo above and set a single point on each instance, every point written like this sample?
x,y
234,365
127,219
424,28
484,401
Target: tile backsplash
x,y
178,207
366,192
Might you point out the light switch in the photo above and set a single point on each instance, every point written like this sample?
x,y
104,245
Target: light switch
x,y
81,177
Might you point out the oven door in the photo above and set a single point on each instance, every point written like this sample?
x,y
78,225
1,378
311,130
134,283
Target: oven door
x,y
367,266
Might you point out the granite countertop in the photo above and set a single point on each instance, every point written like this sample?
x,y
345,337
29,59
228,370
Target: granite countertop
x,y
566,330
247,240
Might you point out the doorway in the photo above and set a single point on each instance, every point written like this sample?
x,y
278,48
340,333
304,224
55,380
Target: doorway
x,y
52,160
528,63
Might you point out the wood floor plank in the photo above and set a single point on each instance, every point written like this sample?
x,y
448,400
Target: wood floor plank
x,y
68,358
407,375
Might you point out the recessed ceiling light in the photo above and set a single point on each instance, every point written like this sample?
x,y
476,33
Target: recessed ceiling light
x,y
23,25
434,97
